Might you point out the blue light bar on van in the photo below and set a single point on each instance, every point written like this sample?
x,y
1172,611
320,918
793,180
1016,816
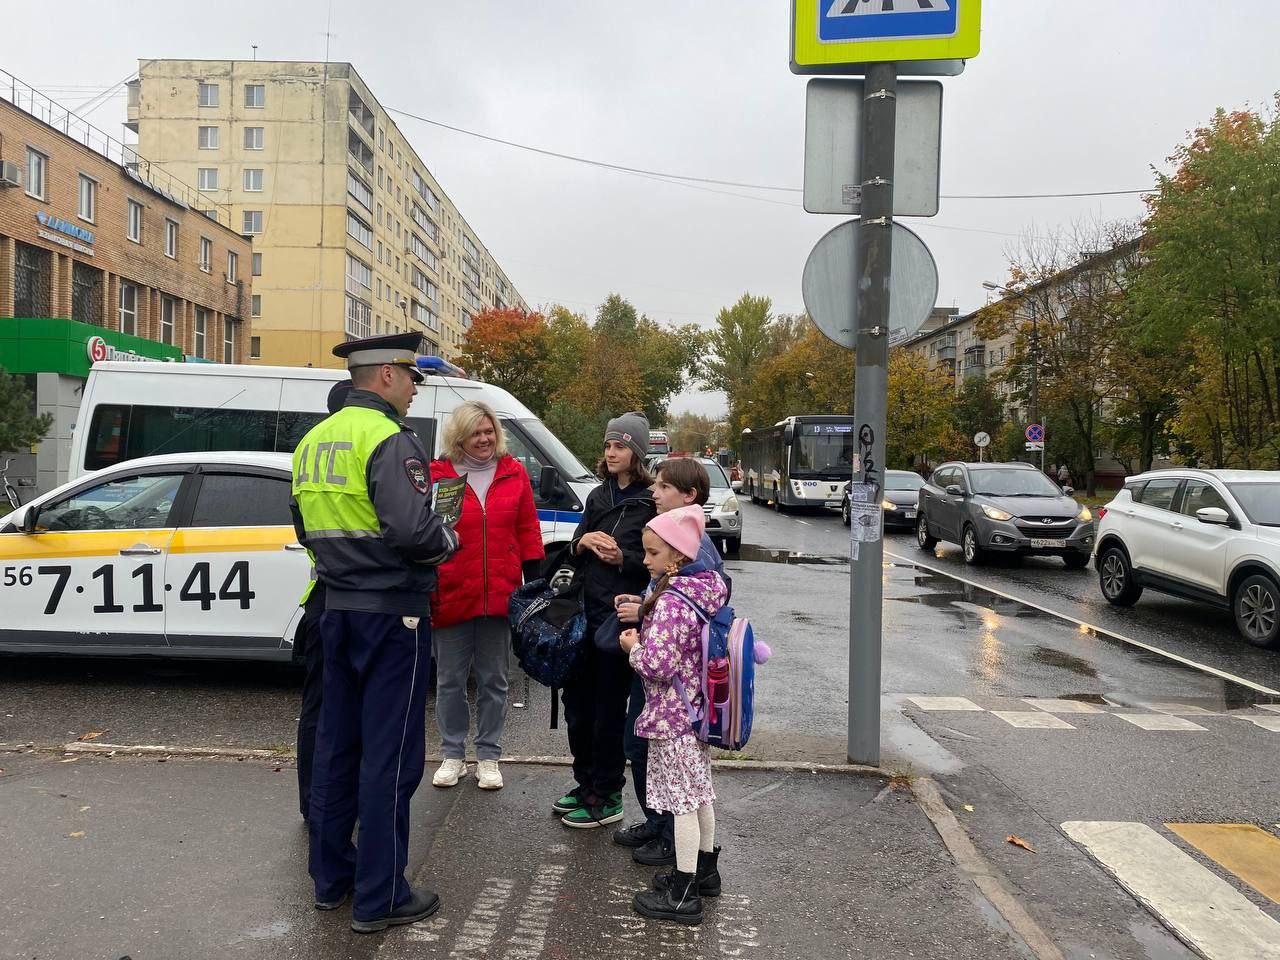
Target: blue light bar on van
x,y
440,367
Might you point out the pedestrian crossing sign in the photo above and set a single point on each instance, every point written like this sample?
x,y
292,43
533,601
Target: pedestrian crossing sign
x,y
924,37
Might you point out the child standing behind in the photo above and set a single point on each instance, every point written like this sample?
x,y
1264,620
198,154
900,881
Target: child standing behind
x,y
679,767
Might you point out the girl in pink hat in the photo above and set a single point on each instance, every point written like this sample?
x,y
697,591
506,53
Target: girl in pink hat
x,y
669,645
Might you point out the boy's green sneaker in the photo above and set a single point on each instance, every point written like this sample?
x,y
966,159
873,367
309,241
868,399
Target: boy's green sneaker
x,y
569,802
588,818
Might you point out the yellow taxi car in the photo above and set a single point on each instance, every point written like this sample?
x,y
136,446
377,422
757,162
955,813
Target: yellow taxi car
x,y
182,555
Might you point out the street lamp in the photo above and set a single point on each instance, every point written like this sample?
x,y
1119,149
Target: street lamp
x,y
1035,352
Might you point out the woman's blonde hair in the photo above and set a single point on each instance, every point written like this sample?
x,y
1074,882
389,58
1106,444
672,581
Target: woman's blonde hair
x,y
463,422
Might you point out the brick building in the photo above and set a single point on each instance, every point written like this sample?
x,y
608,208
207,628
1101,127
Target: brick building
x,y
100,255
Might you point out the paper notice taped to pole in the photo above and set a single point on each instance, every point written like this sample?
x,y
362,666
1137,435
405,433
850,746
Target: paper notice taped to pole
x,y
864,521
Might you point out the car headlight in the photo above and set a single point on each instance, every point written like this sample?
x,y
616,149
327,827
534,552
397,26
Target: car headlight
x,y
888,504
1084,514
730,505
995,513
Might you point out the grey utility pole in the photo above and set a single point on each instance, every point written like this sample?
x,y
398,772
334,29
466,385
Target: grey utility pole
x,y
874,263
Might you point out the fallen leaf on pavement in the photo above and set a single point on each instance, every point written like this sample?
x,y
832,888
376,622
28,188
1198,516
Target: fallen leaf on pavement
x,y
91,735
969,807
69,760
84,808
1019,842
78,833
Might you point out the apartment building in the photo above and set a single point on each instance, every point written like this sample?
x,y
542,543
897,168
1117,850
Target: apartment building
x,y
353,235
101,257
957,346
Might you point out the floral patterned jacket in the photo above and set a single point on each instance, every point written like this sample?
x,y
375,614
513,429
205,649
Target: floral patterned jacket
x,y
671,646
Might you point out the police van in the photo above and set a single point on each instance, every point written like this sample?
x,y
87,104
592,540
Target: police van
x,y
131,410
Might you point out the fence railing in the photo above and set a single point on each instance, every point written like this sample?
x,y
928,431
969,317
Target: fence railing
x,y
31,101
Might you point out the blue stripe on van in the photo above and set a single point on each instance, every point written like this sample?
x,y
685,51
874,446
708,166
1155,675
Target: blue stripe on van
x,y
560,516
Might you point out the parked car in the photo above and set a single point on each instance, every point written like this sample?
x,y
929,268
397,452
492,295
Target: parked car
x,y
180,555
898,499
1009,508
1208,535
723,515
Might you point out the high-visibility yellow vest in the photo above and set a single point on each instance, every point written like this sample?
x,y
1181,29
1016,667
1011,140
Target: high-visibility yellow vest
x,y
329,478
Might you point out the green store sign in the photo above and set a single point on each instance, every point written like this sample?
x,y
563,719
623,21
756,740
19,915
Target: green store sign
x,y
48,345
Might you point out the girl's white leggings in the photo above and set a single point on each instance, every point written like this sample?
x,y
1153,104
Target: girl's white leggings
x,y
694,831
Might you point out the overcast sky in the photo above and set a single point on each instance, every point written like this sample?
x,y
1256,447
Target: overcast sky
x,y
1064,97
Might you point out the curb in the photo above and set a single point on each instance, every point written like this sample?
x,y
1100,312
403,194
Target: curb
x,y
989,881
236,753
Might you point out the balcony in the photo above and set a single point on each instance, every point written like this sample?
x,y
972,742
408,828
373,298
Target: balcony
x,y
134,89
947,353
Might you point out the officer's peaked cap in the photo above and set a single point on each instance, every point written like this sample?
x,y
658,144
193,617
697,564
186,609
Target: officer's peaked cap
x,y
397,348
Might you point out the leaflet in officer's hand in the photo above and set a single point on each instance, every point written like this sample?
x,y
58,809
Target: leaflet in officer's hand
x,y
447,496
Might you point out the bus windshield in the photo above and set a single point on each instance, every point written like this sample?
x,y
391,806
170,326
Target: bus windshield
x,y
822,450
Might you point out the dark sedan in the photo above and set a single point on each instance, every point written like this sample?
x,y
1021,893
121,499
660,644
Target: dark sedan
x,y
901,490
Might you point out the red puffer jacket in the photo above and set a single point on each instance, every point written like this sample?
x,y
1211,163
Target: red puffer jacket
x,y
496,538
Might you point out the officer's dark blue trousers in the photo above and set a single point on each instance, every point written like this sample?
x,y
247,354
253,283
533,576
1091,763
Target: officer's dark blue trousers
x,y
370,749
312,653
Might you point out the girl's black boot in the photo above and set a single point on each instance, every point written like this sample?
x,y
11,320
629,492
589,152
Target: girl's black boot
x,y
679,902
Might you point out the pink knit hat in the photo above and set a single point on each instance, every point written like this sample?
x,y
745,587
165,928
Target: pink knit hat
x,y
681,529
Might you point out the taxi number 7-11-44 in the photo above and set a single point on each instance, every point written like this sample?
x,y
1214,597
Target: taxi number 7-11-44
x,y
197,589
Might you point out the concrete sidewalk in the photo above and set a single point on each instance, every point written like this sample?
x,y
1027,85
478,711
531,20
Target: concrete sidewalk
x,y
114,857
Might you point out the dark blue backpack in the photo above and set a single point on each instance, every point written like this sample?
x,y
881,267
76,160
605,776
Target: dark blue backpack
x,y
548,631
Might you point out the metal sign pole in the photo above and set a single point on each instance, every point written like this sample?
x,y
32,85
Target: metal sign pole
x,y
872,273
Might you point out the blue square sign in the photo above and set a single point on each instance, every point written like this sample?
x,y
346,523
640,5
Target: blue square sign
x,y
845,20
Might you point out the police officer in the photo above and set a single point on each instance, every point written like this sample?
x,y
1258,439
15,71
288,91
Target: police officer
x,y
361,496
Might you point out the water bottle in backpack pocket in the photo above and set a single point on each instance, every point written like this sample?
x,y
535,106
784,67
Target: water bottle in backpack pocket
x,y
730,654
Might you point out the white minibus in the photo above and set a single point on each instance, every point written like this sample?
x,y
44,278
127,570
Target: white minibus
x,y
131,410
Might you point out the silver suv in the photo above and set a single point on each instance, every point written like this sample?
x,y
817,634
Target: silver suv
x,y
1009,508
1210,535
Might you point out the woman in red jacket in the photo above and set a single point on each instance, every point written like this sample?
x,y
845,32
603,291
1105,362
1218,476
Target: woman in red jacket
x,y
501,545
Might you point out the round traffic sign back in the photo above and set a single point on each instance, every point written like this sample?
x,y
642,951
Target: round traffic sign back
x,y
1035,432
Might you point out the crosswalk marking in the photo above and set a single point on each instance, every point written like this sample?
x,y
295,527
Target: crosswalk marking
x,y
1159,721
1248,851
1266,723
944,703
1032,719
1181,709
1273,707
1203,909
1054,705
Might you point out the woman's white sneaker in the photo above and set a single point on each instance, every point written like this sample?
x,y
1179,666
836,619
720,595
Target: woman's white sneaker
x,y
488,774
449,773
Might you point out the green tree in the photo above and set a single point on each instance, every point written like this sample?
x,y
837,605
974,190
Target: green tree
x,y
20,425
1213,280
918,425
740,342
977,408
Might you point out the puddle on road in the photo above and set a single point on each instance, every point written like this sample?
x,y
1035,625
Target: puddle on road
x,y
1065,661
749,551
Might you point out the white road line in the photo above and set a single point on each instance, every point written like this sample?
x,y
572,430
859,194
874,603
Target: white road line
x,y
805,522
1159,721
1266,723
945,703
1032,719
1101,631
1200,907
1055,705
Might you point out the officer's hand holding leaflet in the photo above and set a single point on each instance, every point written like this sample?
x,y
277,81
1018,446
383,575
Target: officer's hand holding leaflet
x,y
408,524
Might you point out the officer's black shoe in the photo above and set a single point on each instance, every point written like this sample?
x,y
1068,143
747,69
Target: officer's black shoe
x,y
679,902
420,905
636,835
658,852
332,904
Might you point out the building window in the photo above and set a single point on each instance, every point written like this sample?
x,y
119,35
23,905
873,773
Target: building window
x,y
423,252
86,300
255,95
208,138
171,238
32,281
207,178
202,322
128,309
36,168
359,231
233,266
208,94
359,190
360,113
362,152
255,348
254,138
253,180
379,251
425,315
359,277
358,318
228,341
257,265
134,228
206,254
168,317
87,208
252,221
378,215
255,305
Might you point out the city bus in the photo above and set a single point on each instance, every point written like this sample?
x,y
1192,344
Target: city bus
x,y
799,461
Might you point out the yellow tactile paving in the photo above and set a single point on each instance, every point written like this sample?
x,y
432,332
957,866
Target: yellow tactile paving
x,y
1249,852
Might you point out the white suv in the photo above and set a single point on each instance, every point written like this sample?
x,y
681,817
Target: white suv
x,y
1211,535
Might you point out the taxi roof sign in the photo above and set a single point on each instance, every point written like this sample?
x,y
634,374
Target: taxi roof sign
x,y
924,37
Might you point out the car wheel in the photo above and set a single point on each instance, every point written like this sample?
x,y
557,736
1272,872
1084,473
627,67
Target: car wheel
x,y
973,554
1076,561
923,540
844,512
1116,579
777,502
1257,608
